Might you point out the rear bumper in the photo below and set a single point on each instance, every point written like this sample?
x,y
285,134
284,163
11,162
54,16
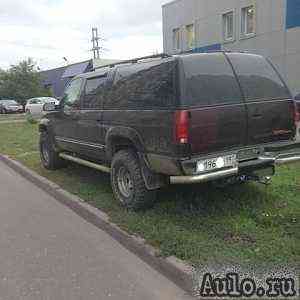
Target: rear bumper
x,y
287,159
243,168
203,177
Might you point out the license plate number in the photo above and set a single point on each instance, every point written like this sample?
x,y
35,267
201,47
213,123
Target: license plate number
x,y
217,163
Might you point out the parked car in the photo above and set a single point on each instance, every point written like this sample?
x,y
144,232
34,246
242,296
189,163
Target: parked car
x,y
34,106
174,120
10,106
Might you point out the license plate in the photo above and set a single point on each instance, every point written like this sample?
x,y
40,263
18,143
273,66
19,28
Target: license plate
x,y
217,163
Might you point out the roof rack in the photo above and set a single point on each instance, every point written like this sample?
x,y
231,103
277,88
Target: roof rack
x,y
134,60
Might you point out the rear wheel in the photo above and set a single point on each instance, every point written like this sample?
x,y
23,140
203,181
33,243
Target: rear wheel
x,y
127,181
49,157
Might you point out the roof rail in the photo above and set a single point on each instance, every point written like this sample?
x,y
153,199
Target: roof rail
x,y
134,60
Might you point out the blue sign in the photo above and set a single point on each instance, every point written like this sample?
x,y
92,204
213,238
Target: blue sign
x,y
292,14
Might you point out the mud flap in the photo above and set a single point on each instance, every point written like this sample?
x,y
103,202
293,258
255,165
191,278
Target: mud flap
x,y
153,181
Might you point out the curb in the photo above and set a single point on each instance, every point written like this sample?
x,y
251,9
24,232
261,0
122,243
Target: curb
x,y
174,269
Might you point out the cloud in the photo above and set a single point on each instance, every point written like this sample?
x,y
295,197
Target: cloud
x,y
47,30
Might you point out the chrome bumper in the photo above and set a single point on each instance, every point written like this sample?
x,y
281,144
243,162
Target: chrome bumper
x,y
279,160
287,158
203,177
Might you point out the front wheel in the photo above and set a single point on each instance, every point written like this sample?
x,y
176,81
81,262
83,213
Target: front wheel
x,y
127,181
49,157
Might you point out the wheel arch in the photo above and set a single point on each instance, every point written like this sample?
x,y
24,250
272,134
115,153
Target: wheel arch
x,y
123,138
44,125
118,138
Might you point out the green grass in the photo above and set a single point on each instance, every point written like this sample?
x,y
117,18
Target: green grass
x,y
247,224
8,117
12,116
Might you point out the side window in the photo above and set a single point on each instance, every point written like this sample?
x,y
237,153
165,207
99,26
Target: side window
x,y
72,93
144,86
209,80
258,78
94,92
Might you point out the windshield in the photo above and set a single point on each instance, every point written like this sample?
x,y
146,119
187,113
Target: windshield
x,y
47,99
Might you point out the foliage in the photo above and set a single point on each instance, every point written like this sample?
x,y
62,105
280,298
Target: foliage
x,y
21,82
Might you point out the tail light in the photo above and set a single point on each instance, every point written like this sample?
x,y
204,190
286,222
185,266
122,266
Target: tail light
x,y
182,127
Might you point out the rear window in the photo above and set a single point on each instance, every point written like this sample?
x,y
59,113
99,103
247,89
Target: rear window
x,y
258,78
209,80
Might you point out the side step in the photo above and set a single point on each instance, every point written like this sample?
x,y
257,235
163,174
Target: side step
x,y
85,162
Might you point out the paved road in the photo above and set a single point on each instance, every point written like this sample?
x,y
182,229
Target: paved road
x,y
49,252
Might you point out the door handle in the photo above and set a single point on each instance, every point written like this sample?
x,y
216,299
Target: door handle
x,y
257,116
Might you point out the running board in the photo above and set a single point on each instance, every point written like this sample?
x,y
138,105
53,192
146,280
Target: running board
x,y
84,162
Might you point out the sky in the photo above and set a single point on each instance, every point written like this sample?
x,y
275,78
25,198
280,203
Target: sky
x,y
48,30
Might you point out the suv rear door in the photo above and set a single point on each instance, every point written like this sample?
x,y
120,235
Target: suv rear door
x,y
268,101
211,94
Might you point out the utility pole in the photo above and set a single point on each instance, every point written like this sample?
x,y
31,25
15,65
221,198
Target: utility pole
x,y
95,41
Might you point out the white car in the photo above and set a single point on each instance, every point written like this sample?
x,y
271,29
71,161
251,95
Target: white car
x,y
34,106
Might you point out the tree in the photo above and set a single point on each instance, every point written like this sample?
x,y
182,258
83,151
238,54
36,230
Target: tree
x,y
21,82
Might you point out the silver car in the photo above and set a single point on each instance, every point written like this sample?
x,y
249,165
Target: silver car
x,y
10,106
34,106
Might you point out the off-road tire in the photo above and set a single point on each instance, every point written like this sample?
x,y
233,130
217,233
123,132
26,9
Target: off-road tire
x,y
140,198
52,161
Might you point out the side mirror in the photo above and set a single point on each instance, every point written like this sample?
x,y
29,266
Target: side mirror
x,y
49,107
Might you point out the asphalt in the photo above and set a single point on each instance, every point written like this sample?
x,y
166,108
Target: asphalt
x,y
49,252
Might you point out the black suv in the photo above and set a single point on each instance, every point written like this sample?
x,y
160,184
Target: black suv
x,y
174,120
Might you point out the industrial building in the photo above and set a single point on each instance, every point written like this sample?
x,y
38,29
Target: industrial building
x,y
57,79
267,27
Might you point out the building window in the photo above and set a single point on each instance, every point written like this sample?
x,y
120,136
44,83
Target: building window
x,y
228,26
190,36
176,39
248,21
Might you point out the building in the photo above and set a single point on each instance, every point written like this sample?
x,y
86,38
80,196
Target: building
x,y
57,79
267,27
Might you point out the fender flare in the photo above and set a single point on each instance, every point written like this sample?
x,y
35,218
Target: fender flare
x,y
44,125
152,180
122,134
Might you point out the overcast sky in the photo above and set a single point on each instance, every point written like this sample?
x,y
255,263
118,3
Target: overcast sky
x,y
48,30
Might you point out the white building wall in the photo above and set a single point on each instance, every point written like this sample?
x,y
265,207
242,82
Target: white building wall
x,y
271,37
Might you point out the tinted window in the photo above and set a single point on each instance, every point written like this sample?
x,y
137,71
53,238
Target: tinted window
x,y
144,86
93,84
94,93
209,80
258,78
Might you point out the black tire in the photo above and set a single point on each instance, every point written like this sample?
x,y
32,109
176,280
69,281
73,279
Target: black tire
x,y
49,157
4,111
138,197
